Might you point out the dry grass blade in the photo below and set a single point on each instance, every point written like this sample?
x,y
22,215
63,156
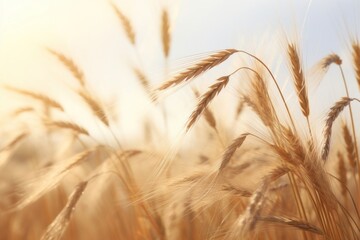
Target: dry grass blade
x,y
342,173
292,223
331,117
95,107
21,110
198,68
13,142
350,146
356,60
51,177
299,78
125,22
165,32
230,150
57,228
38,96
68,125
206,98
70,65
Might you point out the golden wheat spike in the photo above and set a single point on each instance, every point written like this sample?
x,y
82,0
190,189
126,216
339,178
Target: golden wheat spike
x,y
70,65
95,106
126,24
198,68
330,119
165,32
206,98
57,228
299,78
38,96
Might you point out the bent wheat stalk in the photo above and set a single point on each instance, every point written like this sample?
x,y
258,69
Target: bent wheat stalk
x,y
126,24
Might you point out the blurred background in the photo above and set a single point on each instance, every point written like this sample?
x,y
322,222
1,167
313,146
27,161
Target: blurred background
x,y
90,33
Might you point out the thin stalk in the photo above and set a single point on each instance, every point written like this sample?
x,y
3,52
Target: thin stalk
x,y
299,203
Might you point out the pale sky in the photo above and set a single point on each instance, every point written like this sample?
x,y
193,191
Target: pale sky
x,y
88,31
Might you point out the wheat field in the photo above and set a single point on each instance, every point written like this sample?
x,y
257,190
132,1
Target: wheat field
x,y
252,159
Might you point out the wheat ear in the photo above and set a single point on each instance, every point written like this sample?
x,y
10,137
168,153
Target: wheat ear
x,y
57,228
198,68
96,108
330,59
356,60
38,96
292,223
350,147
331,117
299,79
206,98
70,65
342,173
126,24
230,150
165,32
68,125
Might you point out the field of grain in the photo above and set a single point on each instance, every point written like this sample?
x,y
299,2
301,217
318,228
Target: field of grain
x,y
223,145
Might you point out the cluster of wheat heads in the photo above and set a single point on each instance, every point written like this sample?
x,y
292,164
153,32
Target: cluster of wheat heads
x,y
277,184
